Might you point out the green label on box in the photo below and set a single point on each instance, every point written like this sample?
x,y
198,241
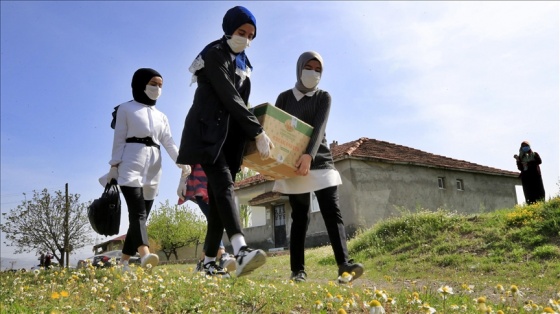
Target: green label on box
x,y
283,117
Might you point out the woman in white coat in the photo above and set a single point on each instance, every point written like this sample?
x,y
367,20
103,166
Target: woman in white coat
x,y
140,129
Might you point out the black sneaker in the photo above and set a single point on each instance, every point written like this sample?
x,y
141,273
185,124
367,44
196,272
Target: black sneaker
x,y
211,269
200,266
349,271
299,276
248,260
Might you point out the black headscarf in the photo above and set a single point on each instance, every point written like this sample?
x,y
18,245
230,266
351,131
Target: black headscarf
x,y
139,81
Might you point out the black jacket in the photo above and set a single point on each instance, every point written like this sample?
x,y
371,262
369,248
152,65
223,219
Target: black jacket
x,y
219,119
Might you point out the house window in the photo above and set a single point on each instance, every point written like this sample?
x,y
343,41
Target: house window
x,y
279,215
314,203
441,182
460,185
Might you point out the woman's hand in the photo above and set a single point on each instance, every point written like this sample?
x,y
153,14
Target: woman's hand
x,y
113,173
303,164
185,170
182,187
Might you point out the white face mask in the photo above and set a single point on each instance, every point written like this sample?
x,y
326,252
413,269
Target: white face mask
x,y
153,92
310,78
238,43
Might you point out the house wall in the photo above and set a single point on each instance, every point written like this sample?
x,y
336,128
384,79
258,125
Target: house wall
x,y
109,246
258,216
374,191
189,254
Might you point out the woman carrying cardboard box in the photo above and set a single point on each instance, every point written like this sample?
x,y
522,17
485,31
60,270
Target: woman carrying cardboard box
x,y
216,129
315,170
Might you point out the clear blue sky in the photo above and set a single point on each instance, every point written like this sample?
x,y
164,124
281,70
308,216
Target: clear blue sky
x,y
466,80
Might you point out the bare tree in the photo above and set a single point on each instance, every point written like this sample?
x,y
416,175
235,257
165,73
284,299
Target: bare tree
x,y
39,224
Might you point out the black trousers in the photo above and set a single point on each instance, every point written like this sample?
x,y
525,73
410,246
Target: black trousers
x,y
330,210
138,211
223,211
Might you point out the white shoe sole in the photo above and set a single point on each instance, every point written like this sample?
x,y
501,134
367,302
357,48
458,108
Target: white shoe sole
x,y
230,265
150,259
257,261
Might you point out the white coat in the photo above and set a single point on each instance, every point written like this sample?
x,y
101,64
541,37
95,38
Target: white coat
x,y
140,165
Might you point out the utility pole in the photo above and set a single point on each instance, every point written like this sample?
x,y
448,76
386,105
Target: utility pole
x,y
66,230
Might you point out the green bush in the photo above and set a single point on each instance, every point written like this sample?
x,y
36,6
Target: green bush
x,y
546,252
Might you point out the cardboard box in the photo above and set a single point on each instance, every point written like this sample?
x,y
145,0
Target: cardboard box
x,y
290,137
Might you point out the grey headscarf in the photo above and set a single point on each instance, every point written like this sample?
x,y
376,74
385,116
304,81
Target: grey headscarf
x,y
303,59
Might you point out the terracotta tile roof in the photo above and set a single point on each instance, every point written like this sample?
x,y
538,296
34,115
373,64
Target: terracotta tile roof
x,y
265,198
365,148
371,149
119,238
254,180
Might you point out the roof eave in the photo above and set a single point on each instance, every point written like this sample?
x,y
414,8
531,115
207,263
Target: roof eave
x,y
410,163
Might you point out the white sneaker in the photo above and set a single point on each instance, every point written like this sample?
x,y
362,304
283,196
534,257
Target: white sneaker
x,y
126,268
149,259
227,261
249,260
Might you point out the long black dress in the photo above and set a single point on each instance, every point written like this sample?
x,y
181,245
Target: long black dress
x,y
531,178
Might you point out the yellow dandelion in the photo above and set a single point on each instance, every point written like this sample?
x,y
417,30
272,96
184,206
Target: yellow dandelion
x,y
549,310
515,291
445,291
64,293
345,277
415,298
55,295
341,311
499,289
426,308
376,307
555,304
380,295
467,288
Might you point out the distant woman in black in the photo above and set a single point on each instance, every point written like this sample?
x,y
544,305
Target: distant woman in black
x,y
528,163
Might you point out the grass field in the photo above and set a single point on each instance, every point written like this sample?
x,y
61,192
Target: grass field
x,y
507,261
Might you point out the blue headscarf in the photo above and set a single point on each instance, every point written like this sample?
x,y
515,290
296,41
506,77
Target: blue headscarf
x,y
233,19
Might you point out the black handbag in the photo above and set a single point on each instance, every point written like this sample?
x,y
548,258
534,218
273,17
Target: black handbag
x,y
104,213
